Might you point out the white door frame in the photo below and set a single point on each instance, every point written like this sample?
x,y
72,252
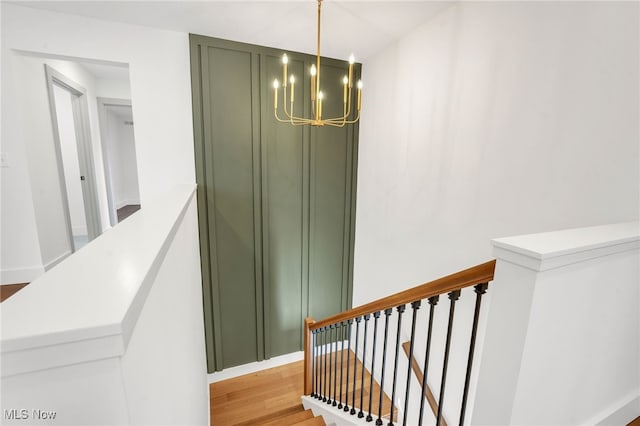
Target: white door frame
x,y
103,103
85,151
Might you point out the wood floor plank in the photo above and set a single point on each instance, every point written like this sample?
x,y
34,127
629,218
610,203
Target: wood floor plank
x,y
259,398
8,290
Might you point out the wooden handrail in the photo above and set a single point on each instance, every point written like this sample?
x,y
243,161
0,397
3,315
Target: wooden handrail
x,y
479,274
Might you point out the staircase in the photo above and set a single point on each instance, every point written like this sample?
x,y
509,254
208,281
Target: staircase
x,y
267,397
374,332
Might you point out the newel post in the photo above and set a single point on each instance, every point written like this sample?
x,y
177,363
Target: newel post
x,y
308,356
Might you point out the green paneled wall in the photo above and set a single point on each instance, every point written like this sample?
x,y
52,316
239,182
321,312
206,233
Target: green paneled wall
x,y
275,202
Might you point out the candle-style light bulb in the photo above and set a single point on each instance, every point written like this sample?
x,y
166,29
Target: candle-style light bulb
x,y
275,93
285,61
352,59
345,82
313,71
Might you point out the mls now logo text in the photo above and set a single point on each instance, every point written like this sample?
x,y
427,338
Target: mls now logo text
x,y
25,414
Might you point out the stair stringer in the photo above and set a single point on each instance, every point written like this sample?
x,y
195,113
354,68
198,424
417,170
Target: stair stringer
x,y
330,415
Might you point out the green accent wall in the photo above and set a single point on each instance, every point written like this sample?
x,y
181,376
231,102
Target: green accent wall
x,y
276,203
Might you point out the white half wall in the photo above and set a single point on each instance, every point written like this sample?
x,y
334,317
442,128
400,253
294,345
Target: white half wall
x,y
494,119
128,348
563,330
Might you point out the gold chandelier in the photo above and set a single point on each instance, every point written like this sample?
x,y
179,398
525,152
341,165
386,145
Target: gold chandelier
x,y
317,95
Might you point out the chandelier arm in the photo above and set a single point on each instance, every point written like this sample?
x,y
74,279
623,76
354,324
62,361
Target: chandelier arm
x,y
292,119
340,120
316,94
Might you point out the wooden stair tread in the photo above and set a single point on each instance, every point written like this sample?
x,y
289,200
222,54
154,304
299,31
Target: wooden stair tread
x,y
348,399
290,419
314,421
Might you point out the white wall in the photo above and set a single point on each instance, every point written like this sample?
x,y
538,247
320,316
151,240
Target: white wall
x,y
160,90
122,159
119,88
494,119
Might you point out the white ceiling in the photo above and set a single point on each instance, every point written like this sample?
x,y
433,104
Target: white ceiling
x,y
348,26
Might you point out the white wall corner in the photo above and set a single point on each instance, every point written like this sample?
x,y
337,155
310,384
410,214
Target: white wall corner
x,y
21,275
507,323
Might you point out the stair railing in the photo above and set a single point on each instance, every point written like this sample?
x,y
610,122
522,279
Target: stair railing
x,y
329,357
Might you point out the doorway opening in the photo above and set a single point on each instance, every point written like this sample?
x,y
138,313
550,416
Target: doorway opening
x,y
119,157
71,132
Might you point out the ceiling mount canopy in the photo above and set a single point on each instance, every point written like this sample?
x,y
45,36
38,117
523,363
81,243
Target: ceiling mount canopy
x,y
349,116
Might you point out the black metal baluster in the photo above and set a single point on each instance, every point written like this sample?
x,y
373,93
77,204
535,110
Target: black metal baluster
x,y
376,315
341,363
433,301
355,369
480,289
313,364
324,363
415,306
319,362
330,361
346,394
400,310
364,361
387,313
453,296
335,369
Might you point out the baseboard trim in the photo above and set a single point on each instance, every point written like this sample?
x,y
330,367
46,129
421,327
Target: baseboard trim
x,y
621,412
57,260
23,275
241,370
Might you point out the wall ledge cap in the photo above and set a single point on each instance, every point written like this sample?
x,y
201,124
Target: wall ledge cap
x,y
550,250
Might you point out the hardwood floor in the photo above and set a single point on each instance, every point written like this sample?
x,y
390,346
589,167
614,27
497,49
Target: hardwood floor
x,y
272,397
359,392
9,290
635,422
268,397
126,211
